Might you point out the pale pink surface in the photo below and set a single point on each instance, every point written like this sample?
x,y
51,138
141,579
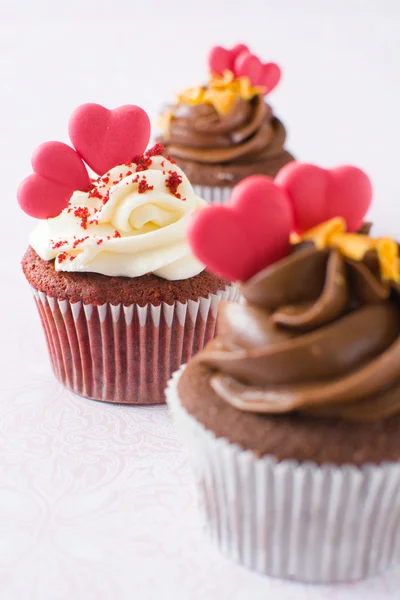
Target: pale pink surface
x,y
97,501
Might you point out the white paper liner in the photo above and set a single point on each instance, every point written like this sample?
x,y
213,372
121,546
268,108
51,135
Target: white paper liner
x,y
125,354
213,194
310,523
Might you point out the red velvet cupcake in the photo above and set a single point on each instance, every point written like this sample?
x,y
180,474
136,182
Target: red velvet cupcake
x,y
122,300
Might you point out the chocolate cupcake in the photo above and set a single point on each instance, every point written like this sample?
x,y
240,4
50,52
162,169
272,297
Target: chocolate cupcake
x,y
292,414
122,299
224,131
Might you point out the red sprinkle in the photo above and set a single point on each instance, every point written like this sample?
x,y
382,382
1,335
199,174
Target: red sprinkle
x,y
173,182
100,241
95,193
156,150
62,256
171,159
77,242
144,186
58,244
117,234
82,212
71,258
144,162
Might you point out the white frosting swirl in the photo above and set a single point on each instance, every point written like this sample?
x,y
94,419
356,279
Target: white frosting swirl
x,y
120,228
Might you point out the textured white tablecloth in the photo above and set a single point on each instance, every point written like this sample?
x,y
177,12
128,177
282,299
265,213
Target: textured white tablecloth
x,y
96,501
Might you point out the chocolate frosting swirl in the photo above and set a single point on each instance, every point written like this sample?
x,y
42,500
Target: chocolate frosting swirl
x,y
248,132
319,333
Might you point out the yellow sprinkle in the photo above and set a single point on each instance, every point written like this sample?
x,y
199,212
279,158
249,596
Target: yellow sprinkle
x,y
352,245
321,234
333,234
295,238
221,92
388,254
223,80
193,95
222,100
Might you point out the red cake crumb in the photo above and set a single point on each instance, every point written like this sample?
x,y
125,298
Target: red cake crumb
x,y
144,162
156,150
82,212
95,193
62,256
57,245
144,186
79,241
173,182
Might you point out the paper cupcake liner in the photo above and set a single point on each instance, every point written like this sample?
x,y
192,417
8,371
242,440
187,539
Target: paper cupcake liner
x,y
300,521
125,354
213,194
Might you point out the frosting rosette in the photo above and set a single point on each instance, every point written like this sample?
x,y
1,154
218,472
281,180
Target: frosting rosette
x,y
224,131
319,334
132,222
248,132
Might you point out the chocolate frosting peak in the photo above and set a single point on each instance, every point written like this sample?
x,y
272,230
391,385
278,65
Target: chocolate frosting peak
x,y
248,132
319,333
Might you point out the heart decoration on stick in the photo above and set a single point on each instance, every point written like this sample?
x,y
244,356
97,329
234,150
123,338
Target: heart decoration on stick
x,y
250,233
221,59
107,138
317,194
243,63
102,138
253,230
266,75
58,172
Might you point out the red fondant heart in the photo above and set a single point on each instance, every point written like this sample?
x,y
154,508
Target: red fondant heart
x,y
220,59
58,172
318,194
266,75
243,237
107,138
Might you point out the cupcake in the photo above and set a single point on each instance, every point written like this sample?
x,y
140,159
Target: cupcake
x,y
121,297
224,131
291,415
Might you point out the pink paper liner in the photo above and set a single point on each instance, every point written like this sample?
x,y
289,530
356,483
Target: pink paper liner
x,y
125,354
